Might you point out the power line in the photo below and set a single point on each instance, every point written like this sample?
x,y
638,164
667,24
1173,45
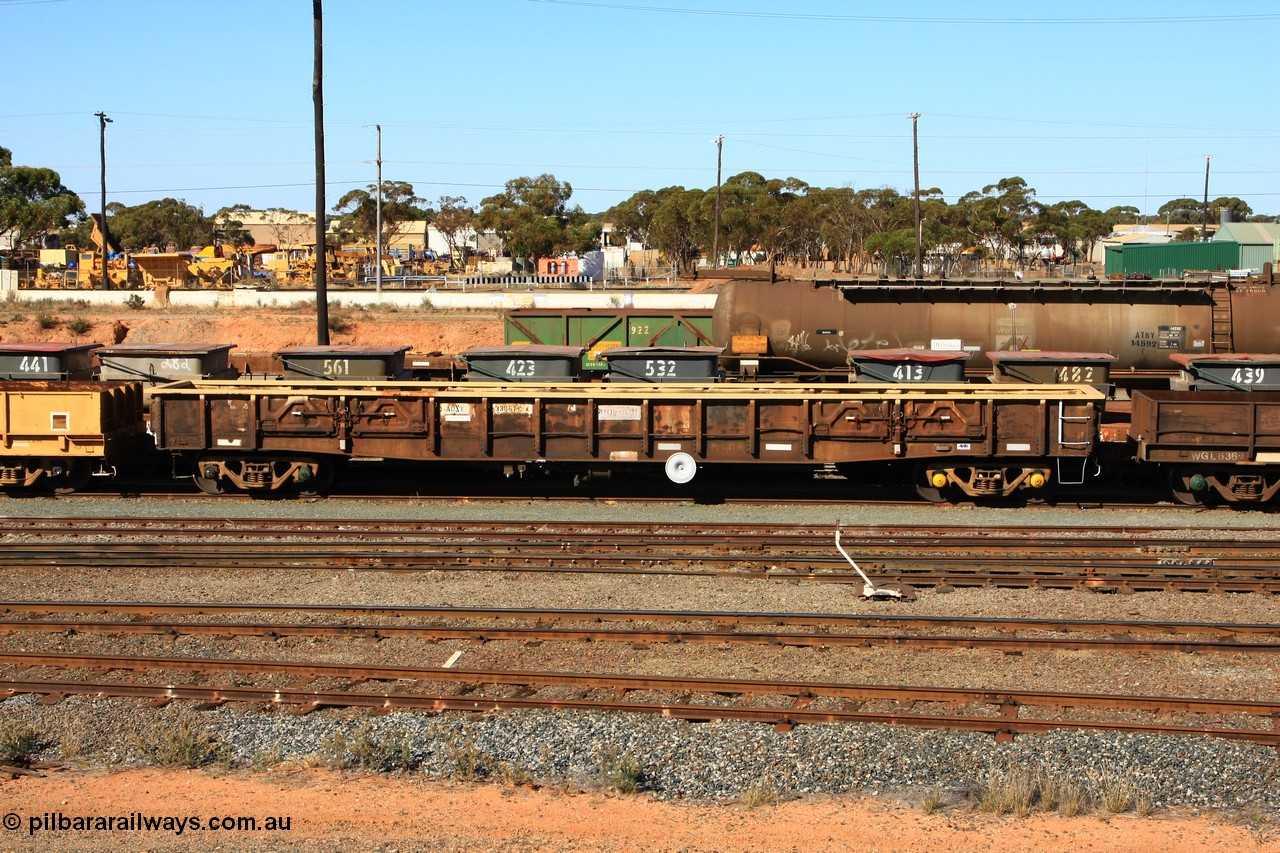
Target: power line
x,y
916,19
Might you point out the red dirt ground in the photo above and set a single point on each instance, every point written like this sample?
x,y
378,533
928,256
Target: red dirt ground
x,y
332,811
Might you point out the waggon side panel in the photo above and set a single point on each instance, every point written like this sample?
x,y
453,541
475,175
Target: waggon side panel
x,y
1206,426
620,423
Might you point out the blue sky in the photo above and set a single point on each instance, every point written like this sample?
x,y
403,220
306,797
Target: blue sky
x,y
1109,103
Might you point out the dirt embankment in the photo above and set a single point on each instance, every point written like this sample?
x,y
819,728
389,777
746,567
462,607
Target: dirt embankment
x,y
255,329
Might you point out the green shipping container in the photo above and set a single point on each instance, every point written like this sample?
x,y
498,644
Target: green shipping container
x,y
1171,260
596,330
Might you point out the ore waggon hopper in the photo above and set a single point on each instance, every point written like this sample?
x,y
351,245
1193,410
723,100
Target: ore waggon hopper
x,y
809,328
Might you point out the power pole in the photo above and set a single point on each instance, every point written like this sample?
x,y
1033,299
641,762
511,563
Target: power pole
x,y
715,240
378,227
317,98
103,121
1204,213
915,159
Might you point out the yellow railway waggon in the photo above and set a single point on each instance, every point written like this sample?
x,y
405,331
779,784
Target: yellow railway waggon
x,y
58,434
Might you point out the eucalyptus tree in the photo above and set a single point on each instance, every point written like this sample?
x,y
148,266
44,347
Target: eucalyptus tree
x,y
358,210
786,219
751,212
884,217
1060,224
581,233
800,237
1240,210
886,210
1096,224
893,250
289,227
942,232
454,220
996,216
1121,213
677,225
1180,211
633,217
33,202
161,223
531,216
841,213
228,226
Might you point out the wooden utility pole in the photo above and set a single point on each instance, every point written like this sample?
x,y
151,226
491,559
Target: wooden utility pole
x,y
715,239
915,159
378,216
103,121
1204,213
317,97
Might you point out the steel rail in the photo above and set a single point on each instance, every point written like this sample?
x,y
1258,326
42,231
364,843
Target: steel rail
x,y
845,621
1209,579
943,551
1002,728
633,635
958,555
1163,539
1007,700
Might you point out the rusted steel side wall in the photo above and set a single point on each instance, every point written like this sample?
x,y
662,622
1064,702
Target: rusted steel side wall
x,y
1206,426
643,423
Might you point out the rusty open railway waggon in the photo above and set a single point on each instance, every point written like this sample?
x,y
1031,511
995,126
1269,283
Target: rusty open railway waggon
x,y
982,441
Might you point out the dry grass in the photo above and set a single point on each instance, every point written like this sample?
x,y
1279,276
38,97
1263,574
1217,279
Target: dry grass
x,y
181,742
761,793
1017,791
364,750
1009,792
619,771
19,743
932,801
465,759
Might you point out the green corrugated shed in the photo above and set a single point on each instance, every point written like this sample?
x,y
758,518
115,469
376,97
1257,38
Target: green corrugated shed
x,y
1171,260
1259,242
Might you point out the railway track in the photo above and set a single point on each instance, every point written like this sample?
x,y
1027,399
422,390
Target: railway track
x,y
1106,559
682,697
826,630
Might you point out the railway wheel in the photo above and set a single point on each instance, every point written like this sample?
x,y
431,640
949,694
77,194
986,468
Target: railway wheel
x,y
316,477
932,484
1043,489
1188,486
74,476
207,477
